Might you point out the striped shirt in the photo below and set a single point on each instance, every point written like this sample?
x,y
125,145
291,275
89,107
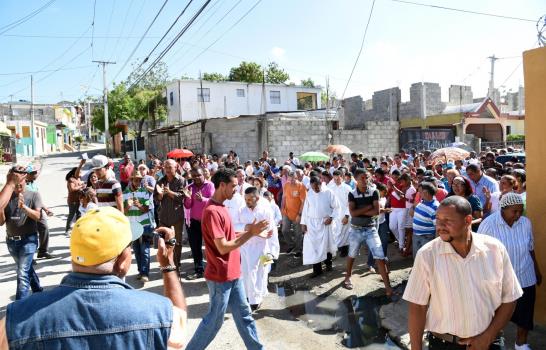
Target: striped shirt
x,y
107,191
462,293
485,181
518,241
134,213
424,218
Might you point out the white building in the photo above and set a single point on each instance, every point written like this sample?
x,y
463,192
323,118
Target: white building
x,y
191,100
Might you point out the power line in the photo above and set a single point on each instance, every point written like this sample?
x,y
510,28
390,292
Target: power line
x,y
211,28
93,30
512,73
224,33
360,51
75,36
44,71
167,32
465,11
56,70
24,19
171,44
141,39
115,47
109,24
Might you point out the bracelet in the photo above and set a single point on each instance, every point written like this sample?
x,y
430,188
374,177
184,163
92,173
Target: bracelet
x,y
168,268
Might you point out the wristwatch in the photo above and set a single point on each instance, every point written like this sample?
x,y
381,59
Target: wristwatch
x,y
168,268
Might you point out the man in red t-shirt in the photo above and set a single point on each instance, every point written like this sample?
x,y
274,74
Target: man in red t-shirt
x,y
126,168
224,266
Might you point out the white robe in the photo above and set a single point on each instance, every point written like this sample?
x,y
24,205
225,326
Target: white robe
x,y
234,204
341,232
319,238
253,273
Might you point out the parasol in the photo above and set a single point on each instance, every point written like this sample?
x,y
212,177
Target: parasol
x,y
180,153
338,149
314,157
448,153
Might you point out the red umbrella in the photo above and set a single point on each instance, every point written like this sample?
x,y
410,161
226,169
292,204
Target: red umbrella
x,y
180,153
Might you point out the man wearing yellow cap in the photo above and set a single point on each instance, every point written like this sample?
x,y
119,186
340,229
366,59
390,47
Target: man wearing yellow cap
x,y
93,308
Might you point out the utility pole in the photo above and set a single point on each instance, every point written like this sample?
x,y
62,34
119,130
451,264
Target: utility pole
x,y
105,98
491,90
32,116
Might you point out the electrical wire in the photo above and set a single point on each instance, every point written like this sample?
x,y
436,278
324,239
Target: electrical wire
x,y
115,47
164,35
223,34
109,24
179,58
44,71
194,33
360,51
171,44
464,11
512,73
24,19
140,41
93,30
55,70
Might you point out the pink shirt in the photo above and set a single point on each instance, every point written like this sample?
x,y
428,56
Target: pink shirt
x,y
195,206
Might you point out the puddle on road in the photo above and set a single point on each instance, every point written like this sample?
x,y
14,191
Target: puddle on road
x,y
356,317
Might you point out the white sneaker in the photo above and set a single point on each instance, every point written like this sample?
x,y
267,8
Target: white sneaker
x,y
522,347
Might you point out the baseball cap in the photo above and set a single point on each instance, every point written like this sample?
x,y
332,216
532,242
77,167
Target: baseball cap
x,y
99,161
100,235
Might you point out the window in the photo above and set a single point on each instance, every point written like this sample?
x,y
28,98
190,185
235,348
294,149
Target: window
x,y
275,97
240,92
508,129
26,131
203,95
171,98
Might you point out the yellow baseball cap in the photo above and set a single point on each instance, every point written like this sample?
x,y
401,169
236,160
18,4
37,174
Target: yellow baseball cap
x,y
100,235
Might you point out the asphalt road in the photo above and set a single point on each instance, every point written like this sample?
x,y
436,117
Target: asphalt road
x,y
277,328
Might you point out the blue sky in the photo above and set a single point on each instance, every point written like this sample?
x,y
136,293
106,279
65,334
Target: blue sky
x,y
308,38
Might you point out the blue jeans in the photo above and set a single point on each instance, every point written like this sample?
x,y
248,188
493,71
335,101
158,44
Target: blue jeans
x,y
368,235
22,252
384,237
141,248
221,295
419,241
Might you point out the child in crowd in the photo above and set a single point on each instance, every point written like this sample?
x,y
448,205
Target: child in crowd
x,y
88,200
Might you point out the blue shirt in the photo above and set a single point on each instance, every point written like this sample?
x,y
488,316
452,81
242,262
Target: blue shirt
x,y
424,218
487,182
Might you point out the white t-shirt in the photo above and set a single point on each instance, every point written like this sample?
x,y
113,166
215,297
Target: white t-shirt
x,y
396,167
90,206
382,204
410,194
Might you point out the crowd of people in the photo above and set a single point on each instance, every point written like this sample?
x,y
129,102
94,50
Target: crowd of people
x,y
461,220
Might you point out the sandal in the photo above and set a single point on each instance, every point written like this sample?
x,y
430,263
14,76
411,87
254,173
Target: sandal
x,y
347,284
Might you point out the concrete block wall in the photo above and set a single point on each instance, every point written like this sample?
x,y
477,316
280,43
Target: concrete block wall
x,y
190,137
383,138
238,134
353,114
299,135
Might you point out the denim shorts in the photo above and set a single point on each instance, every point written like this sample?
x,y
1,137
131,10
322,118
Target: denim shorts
x,y
359,235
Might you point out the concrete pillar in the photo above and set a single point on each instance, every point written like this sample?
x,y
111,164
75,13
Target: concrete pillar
x,y
535,146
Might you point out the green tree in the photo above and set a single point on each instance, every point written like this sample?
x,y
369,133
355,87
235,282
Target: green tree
x,y
157,76
250,72
214,77
120,107
308,83
275,75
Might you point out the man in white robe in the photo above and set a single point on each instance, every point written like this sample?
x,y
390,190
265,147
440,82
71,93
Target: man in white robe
x,y
238,200
341,232
317,220
257,253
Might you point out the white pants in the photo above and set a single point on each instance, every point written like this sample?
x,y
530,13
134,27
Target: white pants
x,y
397,224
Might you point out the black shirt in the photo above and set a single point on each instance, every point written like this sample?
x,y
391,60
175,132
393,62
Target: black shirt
x,y
361,200
17,221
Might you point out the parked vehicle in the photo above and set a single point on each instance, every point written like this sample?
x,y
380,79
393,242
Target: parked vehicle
x,y
511,157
